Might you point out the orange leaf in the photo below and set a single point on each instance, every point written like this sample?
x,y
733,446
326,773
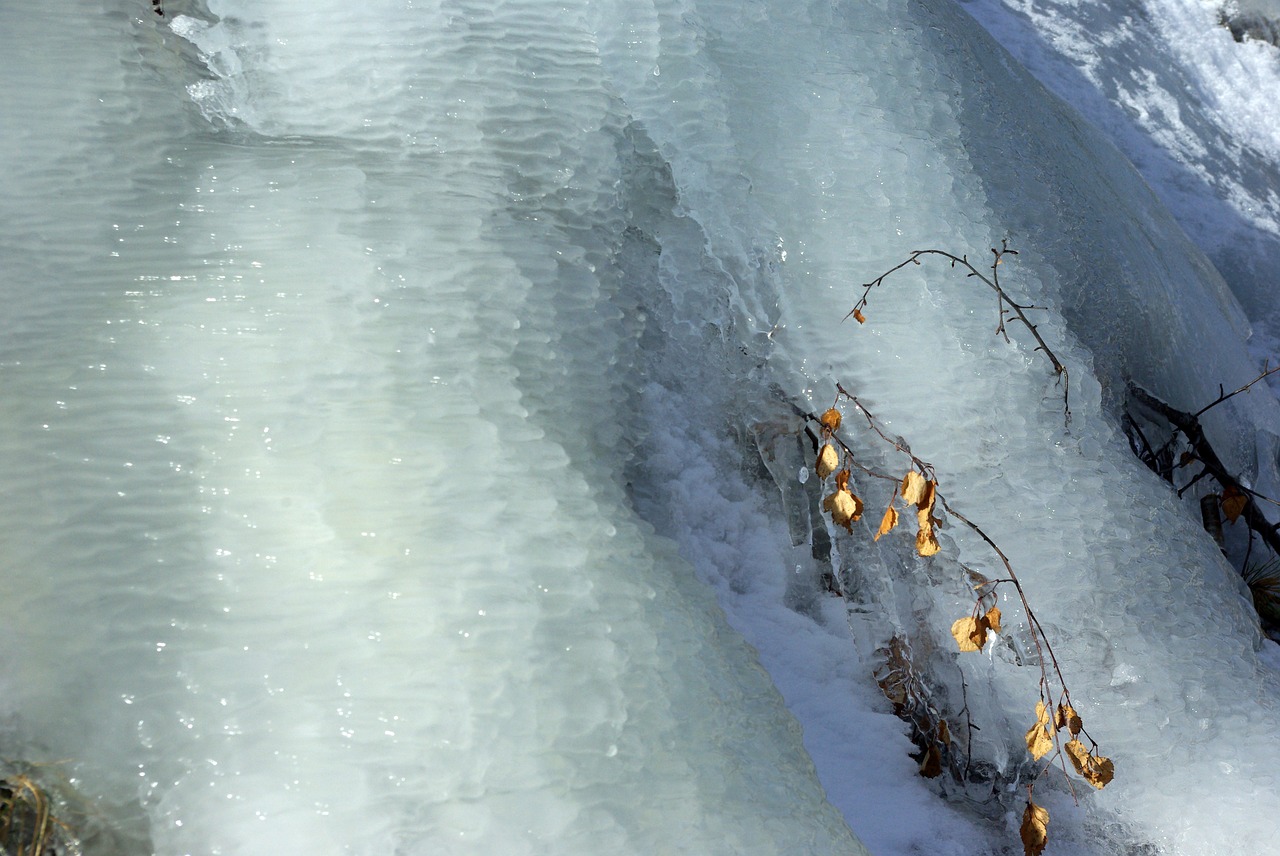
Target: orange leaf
x,y
887,522
993,618
859,317
969,633
926,542
831,420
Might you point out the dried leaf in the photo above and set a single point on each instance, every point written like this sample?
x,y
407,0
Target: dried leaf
x,y
931,764
993,619
859,317
842,479
1034,830
894,687
1101,772
844,507
1233,503
970,634
1067,718
944,733
887,522
1078,753
913,487
828,461
926,541
831,420
1039,741
924,505
1094,769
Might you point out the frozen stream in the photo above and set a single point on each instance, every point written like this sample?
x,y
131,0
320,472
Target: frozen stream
x,y
398,449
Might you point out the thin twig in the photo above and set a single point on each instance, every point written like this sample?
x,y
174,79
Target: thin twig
x,y
1002,298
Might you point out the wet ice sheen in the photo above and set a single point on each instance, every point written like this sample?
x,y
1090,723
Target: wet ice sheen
x,y
381,385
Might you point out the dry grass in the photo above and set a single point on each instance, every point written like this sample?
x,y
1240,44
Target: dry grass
x,y
28,824
1263,579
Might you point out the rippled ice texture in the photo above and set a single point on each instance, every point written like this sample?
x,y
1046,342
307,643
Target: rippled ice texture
x,y
384,384
316,379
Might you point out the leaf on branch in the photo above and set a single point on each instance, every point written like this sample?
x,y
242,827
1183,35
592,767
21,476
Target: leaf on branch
x,y
1233,502
1067,718
831,420
970,634
1094,769
993,619
887,522
926,542
1101,773
926,539
1039,741
828,461
859,317
844,508
913,488
842,479
1034,830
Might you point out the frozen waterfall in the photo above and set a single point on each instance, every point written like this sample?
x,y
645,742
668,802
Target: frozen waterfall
x,y
399,447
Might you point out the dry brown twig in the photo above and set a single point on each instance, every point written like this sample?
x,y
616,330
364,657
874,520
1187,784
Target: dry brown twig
x,y
1015,312
1058,728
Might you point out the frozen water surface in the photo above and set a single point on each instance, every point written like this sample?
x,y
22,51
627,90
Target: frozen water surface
x,y
399,447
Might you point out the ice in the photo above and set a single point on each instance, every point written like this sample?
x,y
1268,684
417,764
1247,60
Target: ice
x,y
400,440
326,547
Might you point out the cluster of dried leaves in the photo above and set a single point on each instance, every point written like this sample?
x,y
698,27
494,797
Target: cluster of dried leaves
x,y
918,489
845,507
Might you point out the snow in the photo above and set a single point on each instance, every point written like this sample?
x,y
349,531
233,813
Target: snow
x,y
401,449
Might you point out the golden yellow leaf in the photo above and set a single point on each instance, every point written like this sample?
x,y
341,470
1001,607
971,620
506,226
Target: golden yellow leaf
x,y
887,522
969,633
1078,753
831,420
1042,713
859,317
844,507
926,542
1034,830
926,539
1094,769
1039,742
1101,772
931,764
1233,503
1068,718
913,487
828,461
993,619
